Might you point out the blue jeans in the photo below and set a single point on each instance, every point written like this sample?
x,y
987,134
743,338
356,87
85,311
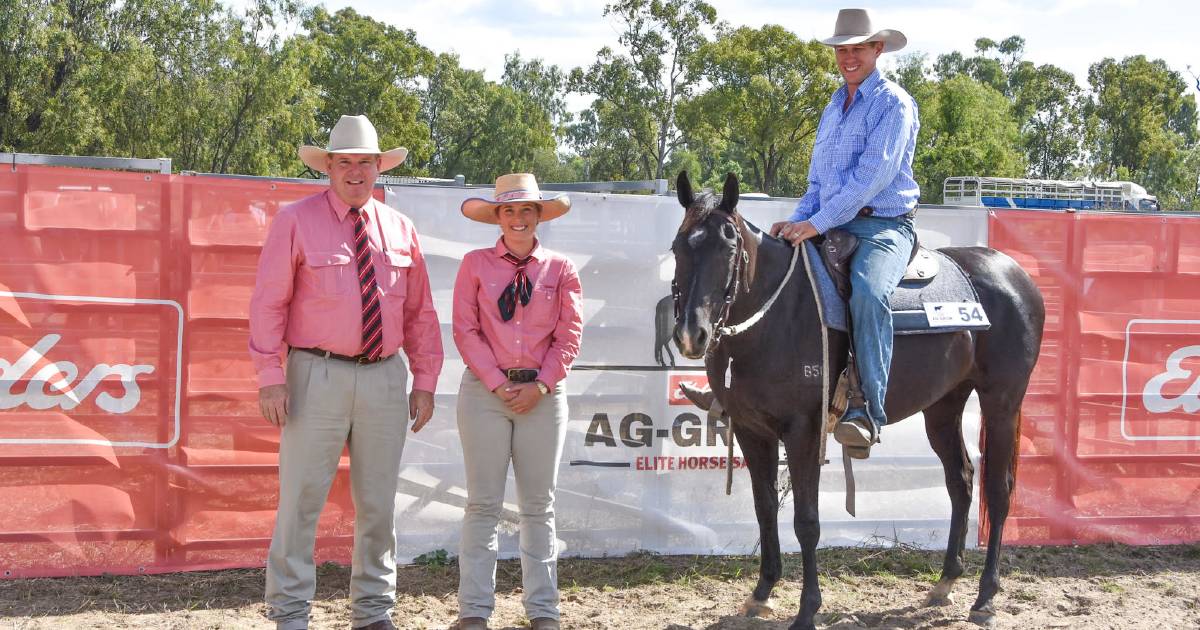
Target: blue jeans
x,y
875,270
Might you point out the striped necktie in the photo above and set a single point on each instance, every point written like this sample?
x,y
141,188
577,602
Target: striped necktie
x,y
372,316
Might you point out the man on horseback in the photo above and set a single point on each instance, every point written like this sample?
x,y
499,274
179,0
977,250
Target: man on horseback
x,y
861,180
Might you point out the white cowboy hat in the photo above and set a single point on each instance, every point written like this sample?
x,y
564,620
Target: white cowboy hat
x,y
515,188
352,134
853,26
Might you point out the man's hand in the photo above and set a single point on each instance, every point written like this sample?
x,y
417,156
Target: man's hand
x,y
526,397
794,233
272,402
420,408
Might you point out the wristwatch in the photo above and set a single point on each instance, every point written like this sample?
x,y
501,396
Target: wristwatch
x,y
542,387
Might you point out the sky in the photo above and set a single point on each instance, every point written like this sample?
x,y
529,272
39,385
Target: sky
x,y
1071,34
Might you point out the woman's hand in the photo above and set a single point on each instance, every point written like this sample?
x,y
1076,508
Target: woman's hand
x,y
505,392
525,397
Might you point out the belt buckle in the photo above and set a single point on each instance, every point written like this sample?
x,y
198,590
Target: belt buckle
x,y
362,359
517,375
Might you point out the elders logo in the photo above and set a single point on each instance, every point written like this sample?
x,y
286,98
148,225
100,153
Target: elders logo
x,y
59,376
82,375
1160,380
699,380
1189,401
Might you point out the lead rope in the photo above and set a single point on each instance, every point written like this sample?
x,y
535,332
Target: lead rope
x,y
821,423
729,331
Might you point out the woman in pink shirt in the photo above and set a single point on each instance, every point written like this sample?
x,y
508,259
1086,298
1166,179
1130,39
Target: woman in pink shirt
x,y
517,325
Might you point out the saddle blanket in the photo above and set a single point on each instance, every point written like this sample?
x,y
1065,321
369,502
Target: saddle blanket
x,y
919,307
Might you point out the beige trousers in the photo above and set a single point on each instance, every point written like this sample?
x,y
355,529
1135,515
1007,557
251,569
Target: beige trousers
x,y
492,436
332,403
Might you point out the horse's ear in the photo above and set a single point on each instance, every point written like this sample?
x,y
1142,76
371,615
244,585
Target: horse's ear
x,y
729,196
683,188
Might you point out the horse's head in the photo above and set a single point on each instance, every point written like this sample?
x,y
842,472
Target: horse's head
x,y
710,253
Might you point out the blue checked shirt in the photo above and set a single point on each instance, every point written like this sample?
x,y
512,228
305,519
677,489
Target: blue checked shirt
x,y
862,157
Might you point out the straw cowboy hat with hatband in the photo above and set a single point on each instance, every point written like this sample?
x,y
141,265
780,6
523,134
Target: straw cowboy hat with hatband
x,y
853,26
352,134
511,189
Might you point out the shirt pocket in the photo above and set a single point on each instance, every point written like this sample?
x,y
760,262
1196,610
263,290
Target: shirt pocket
x,y
543,306
394,281
329,273
851,144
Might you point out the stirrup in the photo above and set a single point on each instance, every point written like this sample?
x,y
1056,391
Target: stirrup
x,y
849,433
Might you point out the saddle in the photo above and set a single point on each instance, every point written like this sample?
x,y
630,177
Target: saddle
x,y
932,282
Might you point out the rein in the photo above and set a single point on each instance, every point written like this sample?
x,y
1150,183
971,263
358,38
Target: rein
x,y
721,330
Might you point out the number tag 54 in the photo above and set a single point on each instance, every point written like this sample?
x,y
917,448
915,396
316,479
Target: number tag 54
x,y
955,314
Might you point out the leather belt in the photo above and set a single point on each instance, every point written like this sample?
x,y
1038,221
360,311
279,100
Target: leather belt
x,y
521,375
867,211
359,359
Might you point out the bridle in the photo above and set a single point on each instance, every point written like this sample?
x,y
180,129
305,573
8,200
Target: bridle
x,y
741,258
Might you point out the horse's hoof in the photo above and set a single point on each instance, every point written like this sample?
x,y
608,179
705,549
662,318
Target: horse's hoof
x,y
940,595
754,608
982,618
938,599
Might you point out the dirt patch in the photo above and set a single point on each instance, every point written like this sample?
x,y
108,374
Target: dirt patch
x,y
1101,586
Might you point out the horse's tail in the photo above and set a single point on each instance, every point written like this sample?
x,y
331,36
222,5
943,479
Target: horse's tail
x,y
985,470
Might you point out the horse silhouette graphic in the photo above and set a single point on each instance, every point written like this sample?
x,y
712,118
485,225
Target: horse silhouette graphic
x,y
664,326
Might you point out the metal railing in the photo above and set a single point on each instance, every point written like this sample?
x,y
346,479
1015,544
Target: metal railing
x,y
158,165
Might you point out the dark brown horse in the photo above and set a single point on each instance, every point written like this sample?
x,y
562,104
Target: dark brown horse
x,y
772,398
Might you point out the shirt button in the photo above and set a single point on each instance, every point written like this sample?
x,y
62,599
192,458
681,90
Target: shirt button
x,y
518,341
518,322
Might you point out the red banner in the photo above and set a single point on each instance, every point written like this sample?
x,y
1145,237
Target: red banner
x,y
130,438
1110,447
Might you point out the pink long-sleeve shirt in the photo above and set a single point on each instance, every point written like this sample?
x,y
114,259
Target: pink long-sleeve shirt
x,y
307,292
542,335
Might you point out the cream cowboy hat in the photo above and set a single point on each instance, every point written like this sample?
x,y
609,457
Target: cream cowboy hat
x,y
853,26
352,134
515,188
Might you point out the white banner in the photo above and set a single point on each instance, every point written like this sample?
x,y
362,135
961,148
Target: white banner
x,y
642,468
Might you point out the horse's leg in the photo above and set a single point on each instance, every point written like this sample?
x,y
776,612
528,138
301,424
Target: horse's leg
x,y
1001,430
762,459
803,453
943,427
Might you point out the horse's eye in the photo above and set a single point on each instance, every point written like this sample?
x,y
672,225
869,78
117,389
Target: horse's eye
x,y
728,231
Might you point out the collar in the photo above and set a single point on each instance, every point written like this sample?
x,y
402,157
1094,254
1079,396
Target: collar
x,y
538,253
341,208
869,84
865,89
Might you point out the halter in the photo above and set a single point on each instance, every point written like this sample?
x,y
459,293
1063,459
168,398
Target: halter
x,y
740,258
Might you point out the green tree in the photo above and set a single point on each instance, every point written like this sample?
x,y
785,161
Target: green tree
x,y
640,91
1048,104
966,129
606,147
1143,125
992,64
362,66
545,85
482,129
24,62
768,89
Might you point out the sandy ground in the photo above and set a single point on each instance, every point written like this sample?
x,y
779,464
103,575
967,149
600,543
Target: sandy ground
x,y
1103,586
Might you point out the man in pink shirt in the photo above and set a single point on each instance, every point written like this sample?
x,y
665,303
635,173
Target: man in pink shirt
x,y
341,289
